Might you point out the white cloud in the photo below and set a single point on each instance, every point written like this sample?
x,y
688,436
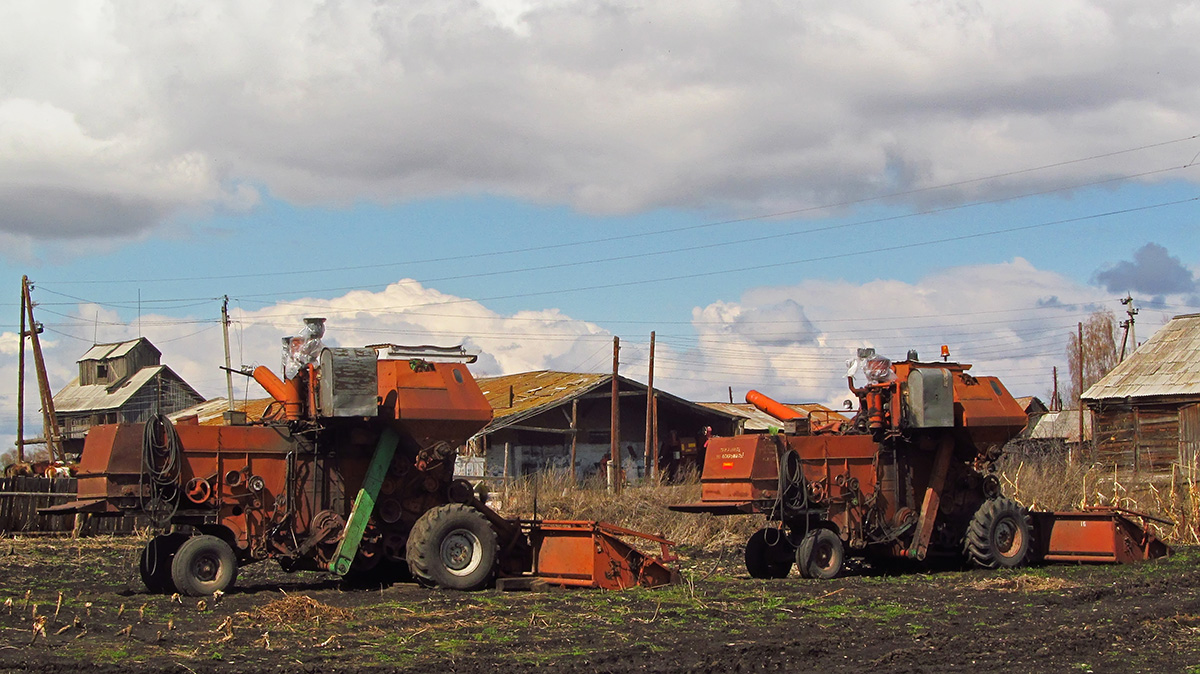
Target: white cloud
x,y
118,114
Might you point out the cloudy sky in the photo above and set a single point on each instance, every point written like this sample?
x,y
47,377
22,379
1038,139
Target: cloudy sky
x,y
765,187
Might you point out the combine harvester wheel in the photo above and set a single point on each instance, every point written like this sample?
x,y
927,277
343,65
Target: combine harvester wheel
x,y
453,547
1000,535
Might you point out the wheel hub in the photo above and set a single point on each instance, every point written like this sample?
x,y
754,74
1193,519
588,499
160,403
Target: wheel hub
x,y
461,552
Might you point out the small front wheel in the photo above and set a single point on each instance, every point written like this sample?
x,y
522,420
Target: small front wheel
x,y
203,565
769,554
154,565
820,555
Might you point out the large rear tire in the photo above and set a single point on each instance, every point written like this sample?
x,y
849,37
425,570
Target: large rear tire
x,y
154,564
1000,535
820,555
453,547
203,565
769,554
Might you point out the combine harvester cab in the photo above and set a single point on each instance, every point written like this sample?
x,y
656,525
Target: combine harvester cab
x,y
350,471
911,477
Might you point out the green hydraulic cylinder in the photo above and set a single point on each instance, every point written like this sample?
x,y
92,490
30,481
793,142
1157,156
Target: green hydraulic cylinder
x,y
364,503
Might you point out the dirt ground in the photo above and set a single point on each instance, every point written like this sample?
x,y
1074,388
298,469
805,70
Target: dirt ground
x,y
95,616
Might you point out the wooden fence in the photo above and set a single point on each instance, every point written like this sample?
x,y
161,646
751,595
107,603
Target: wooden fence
x,y
20,498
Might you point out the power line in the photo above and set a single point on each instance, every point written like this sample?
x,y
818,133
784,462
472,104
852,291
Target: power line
x,y
671,230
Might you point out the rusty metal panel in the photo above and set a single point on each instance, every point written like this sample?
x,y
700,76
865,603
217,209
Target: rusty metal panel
x,y
349,383
929,398
591,554
1098,535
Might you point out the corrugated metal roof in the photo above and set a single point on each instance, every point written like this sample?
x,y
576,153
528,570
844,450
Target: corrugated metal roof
x,y
758,420
1062,425
211,412
113,350
531,391
97,397
534,392
1167,365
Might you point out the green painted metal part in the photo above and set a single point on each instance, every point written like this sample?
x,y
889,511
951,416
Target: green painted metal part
x,y
364,503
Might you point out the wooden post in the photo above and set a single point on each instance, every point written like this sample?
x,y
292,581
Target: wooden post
x,y
507,505
615,425
649,411
21,381
574,436
654,439
1080,393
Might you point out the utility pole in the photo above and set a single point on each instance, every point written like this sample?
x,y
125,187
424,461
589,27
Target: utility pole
x,y
49,418
1130,333
1055,398
615,426
225,330
651,469
21,381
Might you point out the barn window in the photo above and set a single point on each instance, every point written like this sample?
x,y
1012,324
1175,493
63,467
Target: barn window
x,y
101,372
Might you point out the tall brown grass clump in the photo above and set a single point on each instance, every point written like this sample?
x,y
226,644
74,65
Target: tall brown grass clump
x,y
1048,481
642,507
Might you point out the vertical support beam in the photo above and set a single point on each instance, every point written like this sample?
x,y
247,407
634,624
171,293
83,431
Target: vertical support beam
x,y
1081,364
933,500
649,411
655,438
21,381
574,436
615,426
506,476
225,330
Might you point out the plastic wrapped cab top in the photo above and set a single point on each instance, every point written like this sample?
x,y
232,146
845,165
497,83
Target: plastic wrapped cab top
x,y
303,348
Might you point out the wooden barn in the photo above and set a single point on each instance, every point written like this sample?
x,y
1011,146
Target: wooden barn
x,y
1147,409
119,382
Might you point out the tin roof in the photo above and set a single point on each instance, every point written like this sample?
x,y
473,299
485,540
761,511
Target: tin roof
x,y
534,392
758,420
1166,366
114,349
211,412
97,397
1062,425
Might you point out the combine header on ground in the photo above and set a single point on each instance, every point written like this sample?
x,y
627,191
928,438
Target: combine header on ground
x,y
350,471
910,478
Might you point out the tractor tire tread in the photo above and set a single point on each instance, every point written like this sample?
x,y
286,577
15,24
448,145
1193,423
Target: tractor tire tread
x,y
978,544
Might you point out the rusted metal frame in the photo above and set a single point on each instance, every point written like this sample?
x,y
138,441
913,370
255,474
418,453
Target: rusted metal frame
x,y
933,499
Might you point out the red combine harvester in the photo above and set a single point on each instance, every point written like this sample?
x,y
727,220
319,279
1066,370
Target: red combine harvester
x,y
910,478
350,471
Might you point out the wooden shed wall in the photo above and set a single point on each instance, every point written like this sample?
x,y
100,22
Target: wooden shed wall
x,y
1143,439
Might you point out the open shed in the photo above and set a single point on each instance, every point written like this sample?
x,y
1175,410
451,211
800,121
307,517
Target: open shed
x,y
1147,409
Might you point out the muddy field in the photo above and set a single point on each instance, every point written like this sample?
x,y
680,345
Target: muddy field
x,y
78,606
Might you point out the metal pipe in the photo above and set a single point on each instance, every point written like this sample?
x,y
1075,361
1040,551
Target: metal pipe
x,y
771,406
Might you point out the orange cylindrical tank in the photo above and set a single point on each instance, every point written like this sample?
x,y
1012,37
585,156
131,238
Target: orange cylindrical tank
x,y
771,406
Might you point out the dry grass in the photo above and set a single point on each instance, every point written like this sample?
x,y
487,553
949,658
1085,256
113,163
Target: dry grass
x,y
1050,482
641,507
297,609
1022,583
